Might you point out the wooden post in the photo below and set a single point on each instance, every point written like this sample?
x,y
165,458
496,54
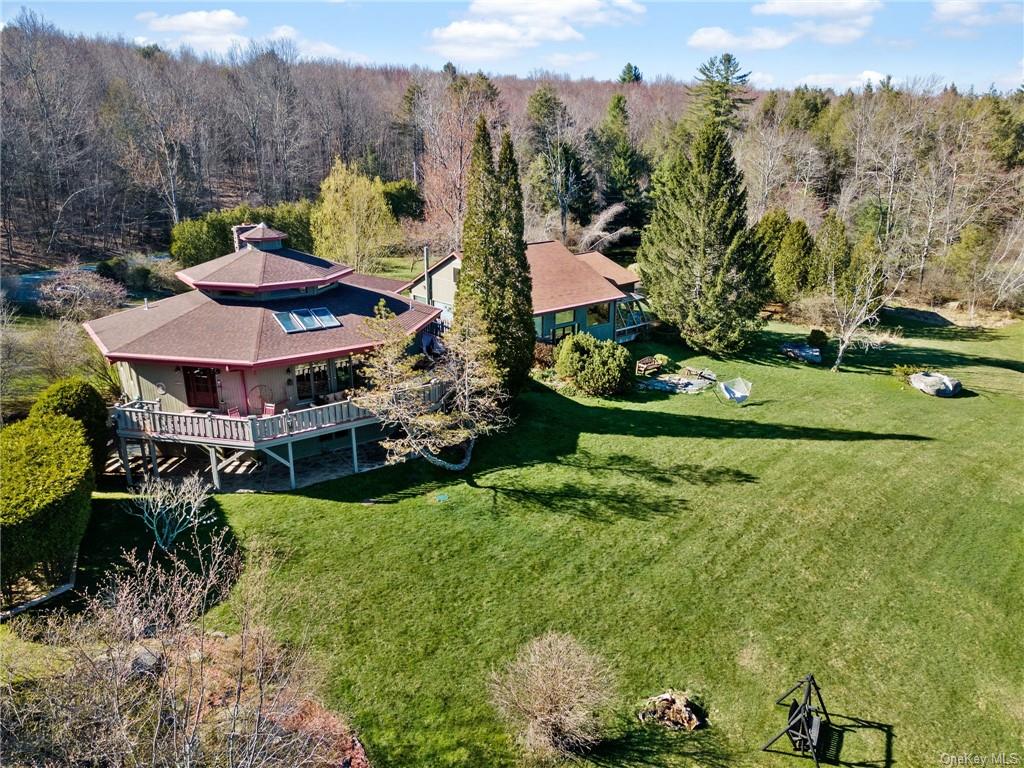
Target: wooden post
x,y
355,452
213,467
291,465
126,460
154,467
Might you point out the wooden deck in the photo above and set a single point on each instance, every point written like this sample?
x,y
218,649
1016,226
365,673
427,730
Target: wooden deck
x,y
143,421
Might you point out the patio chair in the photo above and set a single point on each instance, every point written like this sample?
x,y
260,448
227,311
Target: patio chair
x,y
269,409
234,413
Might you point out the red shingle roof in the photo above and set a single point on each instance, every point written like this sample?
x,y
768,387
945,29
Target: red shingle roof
x,y
253,269
561,280
196,329
261,233
609,270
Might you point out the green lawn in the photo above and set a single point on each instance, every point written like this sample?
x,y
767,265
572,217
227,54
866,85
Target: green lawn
x,y
844,525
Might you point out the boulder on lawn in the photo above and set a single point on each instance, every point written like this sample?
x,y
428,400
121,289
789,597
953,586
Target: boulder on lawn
x,y
935,384
804,353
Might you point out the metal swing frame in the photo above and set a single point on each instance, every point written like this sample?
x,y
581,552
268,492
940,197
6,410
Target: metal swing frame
x,y
803,726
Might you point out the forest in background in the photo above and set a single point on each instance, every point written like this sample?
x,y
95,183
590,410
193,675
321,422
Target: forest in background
x,y
107,145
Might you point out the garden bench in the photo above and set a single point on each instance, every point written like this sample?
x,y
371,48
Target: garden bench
x,y
645,366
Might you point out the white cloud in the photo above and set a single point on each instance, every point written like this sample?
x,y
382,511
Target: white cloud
x,y
842,82
830,22
219,31
829,8
757,39
969,13
1012,80
314,49
761,79
496,29
203,31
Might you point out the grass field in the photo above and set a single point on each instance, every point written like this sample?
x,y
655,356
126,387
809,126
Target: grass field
x,y
844,525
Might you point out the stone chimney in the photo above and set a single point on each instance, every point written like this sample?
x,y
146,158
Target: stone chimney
x,y
237,231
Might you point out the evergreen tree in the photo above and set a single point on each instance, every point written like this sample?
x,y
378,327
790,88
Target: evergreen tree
x,y
832,252
719,91
701,266
494,281
793,261
630,74
769,231
515,338
620,163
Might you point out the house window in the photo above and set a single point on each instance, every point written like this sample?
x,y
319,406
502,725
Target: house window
x,y
538,326
311,380
598,314
560,333
201,387
565,316
455,275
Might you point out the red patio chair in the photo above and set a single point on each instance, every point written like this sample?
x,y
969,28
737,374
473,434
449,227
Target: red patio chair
x,y
234,413
269,409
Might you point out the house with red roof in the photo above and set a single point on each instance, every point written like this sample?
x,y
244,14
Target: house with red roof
x,y
262,355
572,293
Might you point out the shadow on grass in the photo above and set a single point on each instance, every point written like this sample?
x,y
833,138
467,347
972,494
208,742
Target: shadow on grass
x,y
870,738
638,746
113,533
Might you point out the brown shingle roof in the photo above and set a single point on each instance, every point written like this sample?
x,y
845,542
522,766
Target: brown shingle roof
x,y
261,233
561,280
373,282
194,328
609,270
254,269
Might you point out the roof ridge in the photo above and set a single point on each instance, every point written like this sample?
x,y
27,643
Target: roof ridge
x,y
254,354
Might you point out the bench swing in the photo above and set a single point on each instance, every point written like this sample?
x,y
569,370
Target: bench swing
x,y
804,723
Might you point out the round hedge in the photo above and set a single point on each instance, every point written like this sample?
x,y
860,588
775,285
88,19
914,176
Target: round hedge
x,y
595,367
77,398
46,483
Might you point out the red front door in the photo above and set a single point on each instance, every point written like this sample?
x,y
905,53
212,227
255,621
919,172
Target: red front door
x,y
201,387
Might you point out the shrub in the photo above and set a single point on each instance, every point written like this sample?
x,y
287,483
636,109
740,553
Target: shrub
x,y
404,199
543,355
595,367
904,372
554,693
193,241
77,398
47,483
572,353
817,338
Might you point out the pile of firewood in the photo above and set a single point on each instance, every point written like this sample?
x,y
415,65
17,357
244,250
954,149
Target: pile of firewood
x,y
673,710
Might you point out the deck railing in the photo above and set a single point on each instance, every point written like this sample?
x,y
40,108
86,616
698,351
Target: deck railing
x,y
143,419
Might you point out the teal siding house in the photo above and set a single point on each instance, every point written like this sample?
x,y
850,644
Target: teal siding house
x,y
572,293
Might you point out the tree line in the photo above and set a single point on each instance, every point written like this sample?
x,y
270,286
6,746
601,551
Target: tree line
x,y
109,154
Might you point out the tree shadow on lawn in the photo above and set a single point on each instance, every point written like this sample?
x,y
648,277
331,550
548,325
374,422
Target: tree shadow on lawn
x,y
640,746
547,432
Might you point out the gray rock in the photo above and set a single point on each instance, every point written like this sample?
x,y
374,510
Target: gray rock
x,y
935,384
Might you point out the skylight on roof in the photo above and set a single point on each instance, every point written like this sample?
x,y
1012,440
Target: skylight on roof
x,y
305,317
300,320
323,314
288,323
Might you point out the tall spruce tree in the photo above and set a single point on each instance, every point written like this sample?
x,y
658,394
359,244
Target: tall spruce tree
x,y
700,264
515,338
495,277
769,231
792,264
621,165
720,90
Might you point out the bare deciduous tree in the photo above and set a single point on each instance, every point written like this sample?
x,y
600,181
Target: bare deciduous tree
x,y
135,679
169,508
471,404
76,294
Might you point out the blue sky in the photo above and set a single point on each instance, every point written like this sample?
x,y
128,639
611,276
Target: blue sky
x,y
837,43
